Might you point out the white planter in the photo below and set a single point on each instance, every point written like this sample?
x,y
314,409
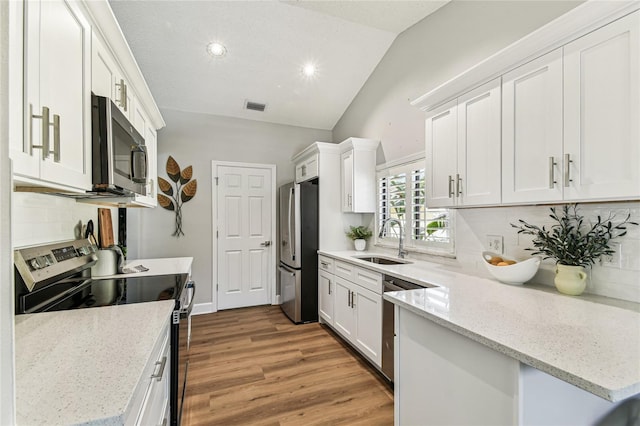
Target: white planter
x,y
570,280
360,244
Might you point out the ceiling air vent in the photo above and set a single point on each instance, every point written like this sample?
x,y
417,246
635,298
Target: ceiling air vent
x,y
255,106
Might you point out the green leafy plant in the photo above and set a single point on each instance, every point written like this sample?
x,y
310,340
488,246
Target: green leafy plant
x,y
359,233
572,240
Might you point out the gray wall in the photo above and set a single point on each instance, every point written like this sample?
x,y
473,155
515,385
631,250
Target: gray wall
x,y
197,139
436,49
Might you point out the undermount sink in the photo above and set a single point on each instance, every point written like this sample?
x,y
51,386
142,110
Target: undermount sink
x,y
382,260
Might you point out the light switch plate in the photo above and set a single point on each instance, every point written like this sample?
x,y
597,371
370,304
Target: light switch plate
x,y
615,260
495,243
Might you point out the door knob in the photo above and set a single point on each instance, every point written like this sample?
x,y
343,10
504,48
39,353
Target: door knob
x,y
266,244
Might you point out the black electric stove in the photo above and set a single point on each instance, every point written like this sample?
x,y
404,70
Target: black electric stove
x,y
56,277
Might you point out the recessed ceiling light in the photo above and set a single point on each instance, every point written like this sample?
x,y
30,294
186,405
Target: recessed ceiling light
x,y
216,49
309,70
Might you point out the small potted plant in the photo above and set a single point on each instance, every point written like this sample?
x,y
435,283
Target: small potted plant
x,y
574,243
359,235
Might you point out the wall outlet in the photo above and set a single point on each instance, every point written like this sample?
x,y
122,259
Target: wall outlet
x,y
495,243
615,260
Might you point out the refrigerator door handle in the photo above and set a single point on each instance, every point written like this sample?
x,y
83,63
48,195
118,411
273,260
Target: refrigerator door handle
x,y
292,236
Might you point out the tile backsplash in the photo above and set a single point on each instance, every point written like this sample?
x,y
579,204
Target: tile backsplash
x,y
40,218
620,280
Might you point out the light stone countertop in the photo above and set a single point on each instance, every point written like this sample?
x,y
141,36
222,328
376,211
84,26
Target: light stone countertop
x,y
166,266
594,346
82,366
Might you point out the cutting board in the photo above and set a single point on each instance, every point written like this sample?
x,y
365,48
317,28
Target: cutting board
x,y
105,228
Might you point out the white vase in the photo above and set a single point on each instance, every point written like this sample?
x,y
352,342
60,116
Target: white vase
x,y
360,244
570,280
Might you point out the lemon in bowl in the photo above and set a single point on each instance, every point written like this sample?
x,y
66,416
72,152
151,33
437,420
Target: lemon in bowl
x,y
510,271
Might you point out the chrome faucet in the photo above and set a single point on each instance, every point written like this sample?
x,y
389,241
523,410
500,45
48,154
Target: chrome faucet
x,y
401,253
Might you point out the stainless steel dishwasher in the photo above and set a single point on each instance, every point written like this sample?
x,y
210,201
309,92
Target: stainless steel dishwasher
x,y
388,321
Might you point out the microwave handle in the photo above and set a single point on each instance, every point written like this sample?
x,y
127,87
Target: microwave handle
x,y
135,173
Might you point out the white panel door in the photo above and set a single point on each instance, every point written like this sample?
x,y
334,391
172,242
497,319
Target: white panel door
x,y
441,140
532,131
601,97
244,196
478,179
368,307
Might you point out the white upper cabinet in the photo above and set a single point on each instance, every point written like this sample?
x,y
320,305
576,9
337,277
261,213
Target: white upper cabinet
x,y
602,114
442,155
560,124
56,149
463,150
307,168
478,177
532,131
358,173
108,80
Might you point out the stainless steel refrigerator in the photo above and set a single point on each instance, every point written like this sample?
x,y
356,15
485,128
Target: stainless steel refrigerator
x,y
298,269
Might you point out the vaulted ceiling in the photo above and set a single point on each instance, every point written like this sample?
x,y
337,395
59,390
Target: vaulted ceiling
x,y
268,43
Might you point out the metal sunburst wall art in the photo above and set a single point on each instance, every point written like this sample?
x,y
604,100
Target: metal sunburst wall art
x,y
185,191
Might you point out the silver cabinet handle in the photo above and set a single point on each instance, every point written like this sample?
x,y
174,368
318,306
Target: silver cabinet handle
x,y
567,172
325,265
44,146
329,286
458,185
353,304
160,372
56,138
265,244
304,170
450,187
552,178
123,94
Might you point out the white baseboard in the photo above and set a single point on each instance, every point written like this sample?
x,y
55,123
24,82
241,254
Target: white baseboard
x,y
203,308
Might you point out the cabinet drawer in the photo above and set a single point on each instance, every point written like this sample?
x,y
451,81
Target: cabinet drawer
x,y
138,400
368,279
345,270
325,264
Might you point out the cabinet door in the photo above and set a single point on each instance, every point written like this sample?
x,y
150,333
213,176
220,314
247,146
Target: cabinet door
x,y
326,294
532,131
58,69
150,141
478,179
344,314
347,181
368,308
103,69
441,151
601,97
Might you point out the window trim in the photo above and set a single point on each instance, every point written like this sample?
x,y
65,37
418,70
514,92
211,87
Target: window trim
x,y
408,165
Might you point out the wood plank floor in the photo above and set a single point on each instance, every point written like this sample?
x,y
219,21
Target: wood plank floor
x,y
252,366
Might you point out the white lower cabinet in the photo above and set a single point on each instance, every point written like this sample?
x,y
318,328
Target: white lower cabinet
x,y
351,303
150,401
326,296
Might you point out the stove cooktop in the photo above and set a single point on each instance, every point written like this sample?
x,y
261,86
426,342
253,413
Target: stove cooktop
x,y
81,293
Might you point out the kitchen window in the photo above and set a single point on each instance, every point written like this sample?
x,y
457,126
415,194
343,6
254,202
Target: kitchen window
x,y
401,196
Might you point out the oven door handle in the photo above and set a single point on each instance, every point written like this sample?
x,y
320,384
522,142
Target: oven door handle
x,y
187,311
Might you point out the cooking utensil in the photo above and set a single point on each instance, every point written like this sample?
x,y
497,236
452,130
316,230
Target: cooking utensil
x,y
88,233
105,228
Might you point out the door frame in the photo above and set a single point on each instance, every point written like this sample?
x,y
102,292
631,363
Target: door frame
x,y
271,276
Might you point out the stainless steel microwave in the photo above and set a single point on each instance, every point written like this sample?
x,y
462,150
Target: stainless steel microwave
x,y
119,156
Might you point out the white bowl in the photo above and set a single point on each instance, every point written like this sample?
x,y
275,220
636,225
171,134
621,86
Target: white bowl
x,y
518,273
